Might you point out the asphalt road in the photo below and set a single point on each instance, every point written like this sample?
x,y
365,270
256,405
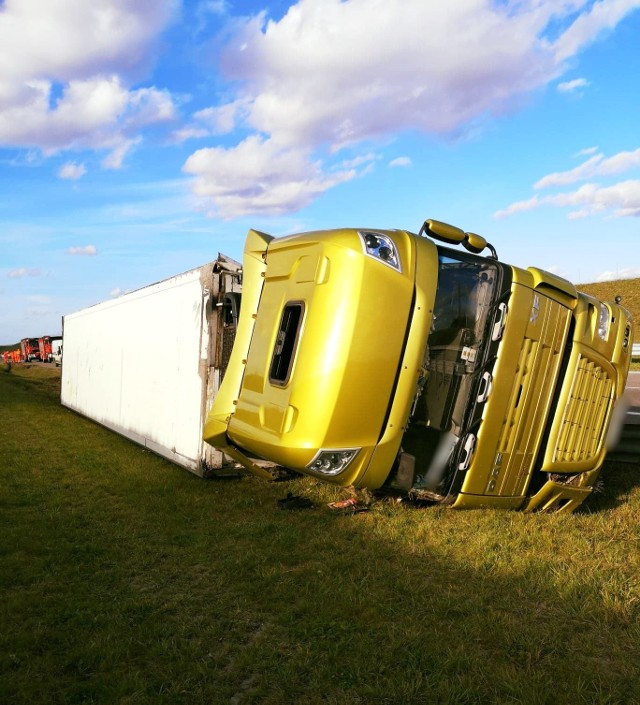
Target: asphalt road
x,y
632,394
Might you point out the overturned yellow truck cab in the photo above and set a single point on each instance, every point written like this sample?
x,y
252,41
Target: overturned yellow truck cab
x,y
388,360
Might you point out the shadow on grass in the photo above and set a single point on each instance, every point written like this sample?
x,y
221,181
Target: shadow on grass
x,y
37,379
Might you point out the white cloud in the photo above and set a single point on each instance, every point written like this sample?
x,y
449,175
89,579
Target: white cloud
x,y
579,214
625,273
623,161
222,119
84,251
477,58
587,152
23,272
361,87
96,113
518,207
331,74
147,106
400,161
258,176
365,160
619,200
562,178
597,165
572,86
114,159
215,120
74,39
188,133
215,7
590,24
72,171
66,68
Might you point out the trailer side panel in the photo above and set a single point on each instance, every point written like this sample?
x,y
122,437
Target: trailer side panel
x,y
141,365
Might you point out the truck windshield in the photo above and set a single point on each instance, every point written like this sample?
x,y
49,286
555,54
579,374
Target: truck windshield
x,y
455,358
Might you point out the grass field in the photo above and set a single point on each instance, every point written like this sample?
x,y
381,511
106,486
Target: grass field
x,y
127,580
627,289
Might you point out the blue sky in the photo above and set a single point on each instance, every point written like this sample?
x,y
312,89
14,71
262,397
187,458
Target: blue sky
x,y
139,138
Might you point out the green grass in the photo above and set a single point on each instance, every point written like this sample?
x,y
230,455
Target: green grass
x,y
15,346
125,579
628,289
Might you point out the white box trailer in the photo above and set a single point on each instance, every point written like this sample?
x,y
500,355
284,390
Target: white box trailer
x,y
148,364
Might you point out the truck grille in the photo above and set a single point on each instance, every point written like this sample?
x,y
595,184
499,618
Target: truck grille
x,y
582,430
536,375
286,343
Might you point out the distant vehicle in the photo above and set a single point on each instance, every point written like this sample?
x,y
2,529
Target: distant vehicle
x,y
46,345
56,351
30,349
388,360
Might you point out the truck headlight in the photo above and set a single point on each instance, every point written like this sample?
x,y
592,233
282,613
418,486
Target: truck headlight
x,y
382,248
332,462
604,321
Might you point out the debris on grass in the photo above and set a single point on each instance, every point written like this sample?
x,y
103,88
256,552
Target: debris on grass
x,y
348,506
343,503
292,501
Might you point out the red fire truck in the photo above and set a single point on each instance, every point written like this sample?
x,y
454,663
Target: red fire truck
x,y
47,346
29,349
